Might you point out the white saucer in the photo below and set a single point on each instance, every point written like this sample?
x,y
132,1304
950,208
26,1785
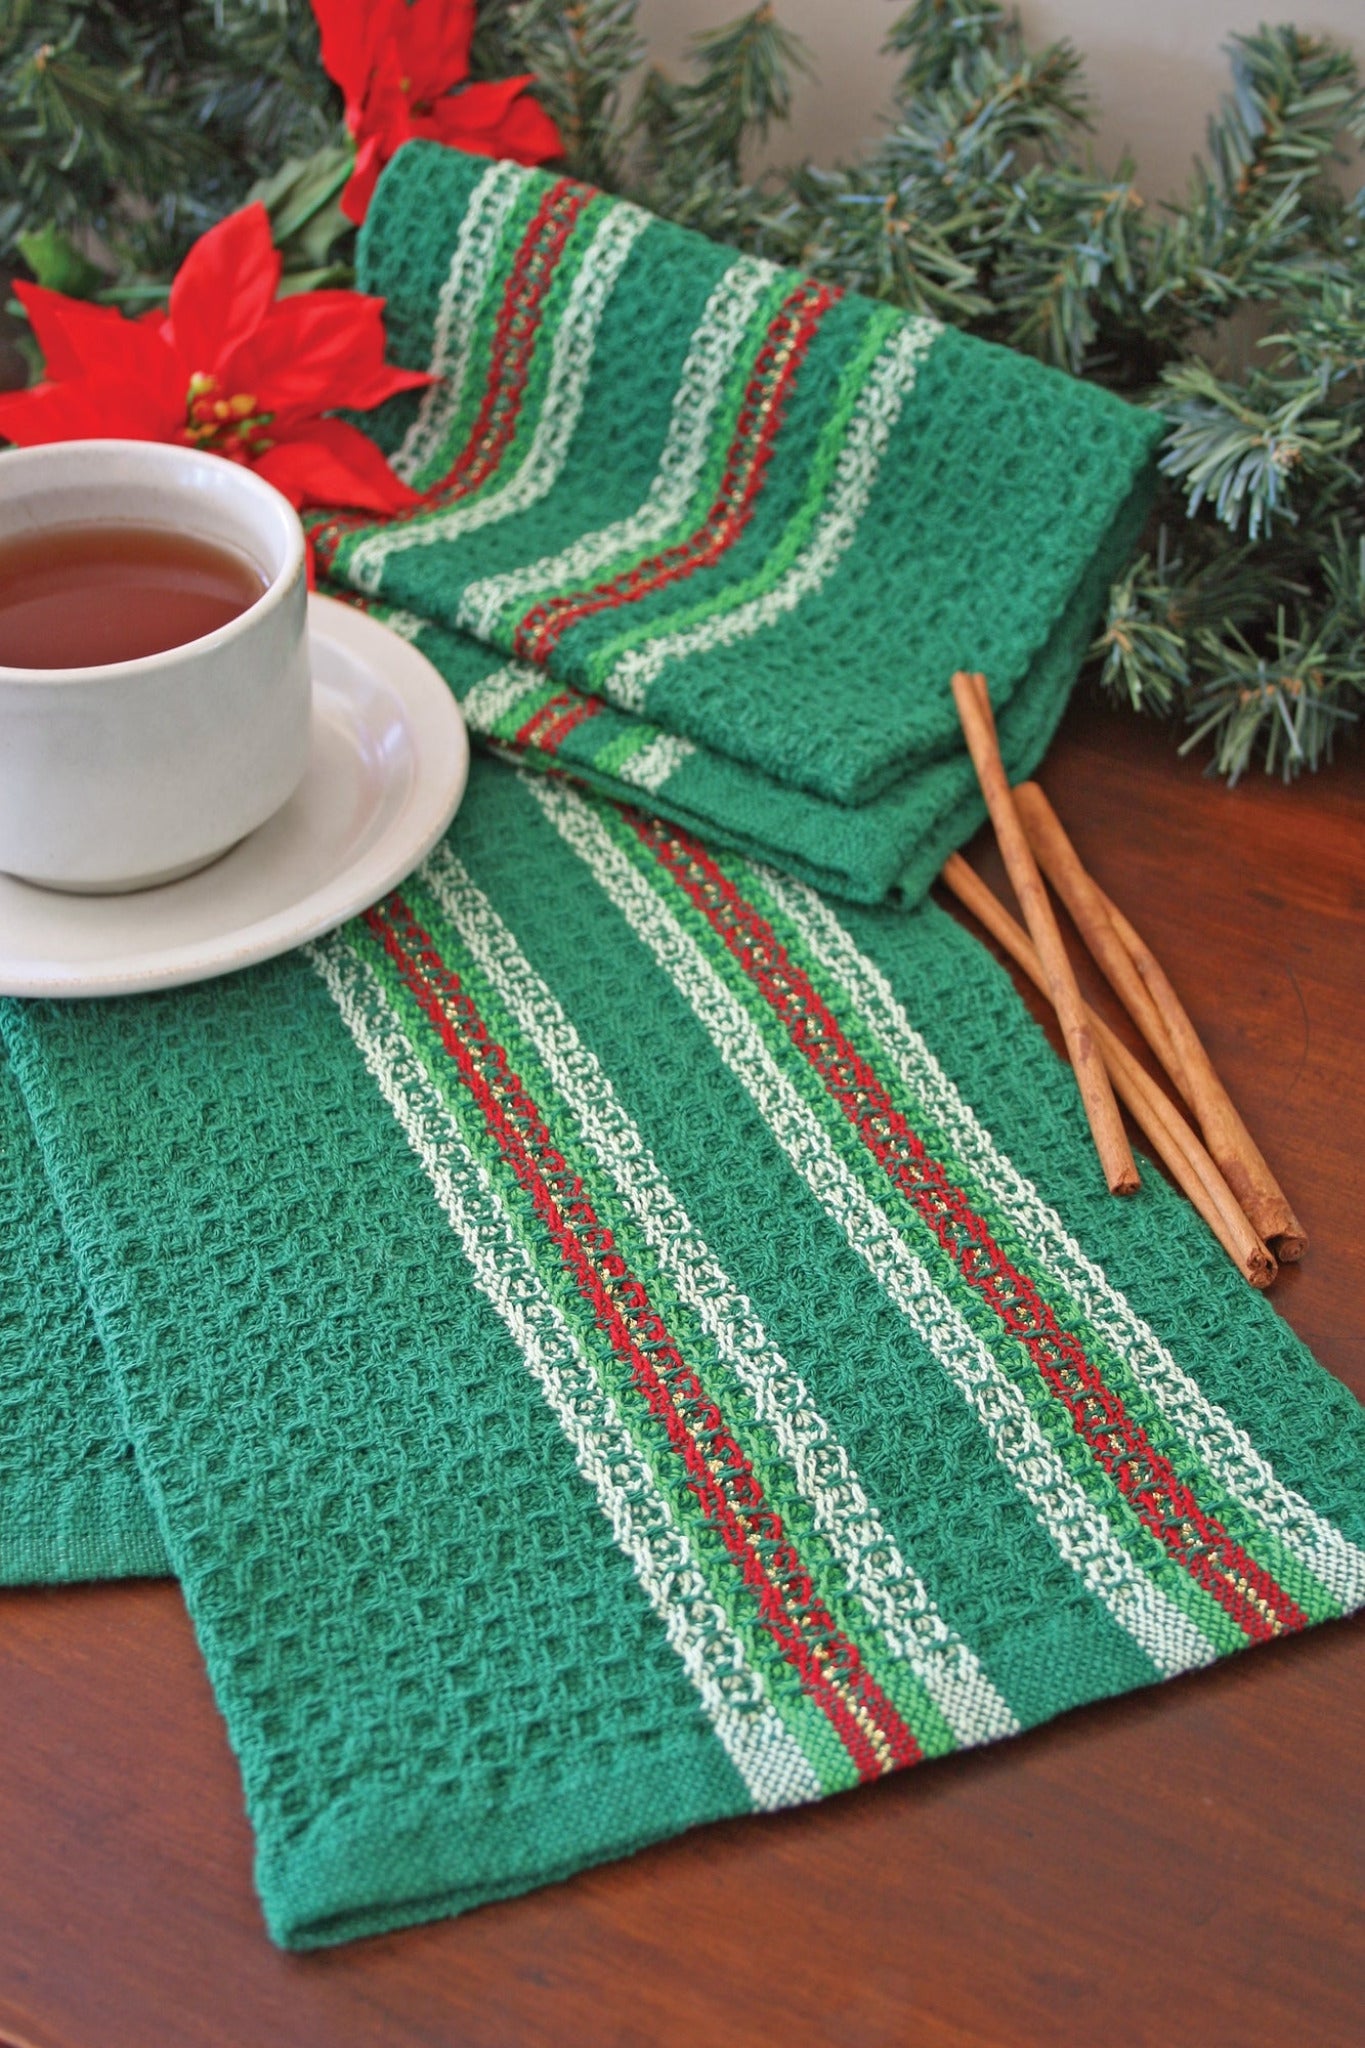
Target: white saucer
x,y
387,771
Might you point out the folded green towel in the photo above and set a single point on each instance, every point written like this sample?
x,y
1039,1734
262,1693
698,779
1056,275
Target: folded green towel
x,y
754,515
609,1343
886,850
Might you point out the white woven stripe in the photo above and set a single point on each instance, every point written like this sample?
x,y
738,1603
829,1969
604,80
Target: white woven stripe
x,y
571,360
762,1749
462,294
407,625
488,700
895,1599
889,383
652,766
719,336
1083,1535
1222,1447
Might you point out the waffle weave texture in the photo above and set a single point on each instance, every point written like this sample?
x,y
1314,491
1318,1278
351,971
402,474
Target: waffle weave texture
x,y
727,532
610,1342
71,1503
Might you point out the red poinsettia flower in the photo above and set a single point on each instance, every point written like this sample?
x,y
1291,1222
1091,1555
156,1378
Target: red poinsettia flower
x,y
229,368
397,64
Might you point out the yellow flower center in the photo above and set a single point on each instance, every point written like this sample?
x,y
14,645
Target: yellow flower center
x,y
233,426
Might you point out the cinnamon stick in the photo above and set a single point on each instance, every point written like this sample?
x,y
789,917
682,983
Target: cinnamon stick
x,y
1145,991
1231,1143
1061,863
1170,1137
1106,1125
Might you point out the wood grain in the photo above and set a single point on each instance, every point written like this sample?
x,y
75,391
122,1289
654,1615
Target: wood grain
x,y
1184,1868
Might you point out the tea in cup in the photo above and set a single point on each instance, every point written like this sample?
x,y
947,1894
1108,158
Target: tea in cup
x,y
154,675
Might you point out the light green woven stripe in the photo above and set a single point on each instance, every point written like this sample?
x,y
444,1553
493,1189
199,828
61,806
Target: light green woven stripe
x,y
1147,1554
803,1717
866,1580
623,746
485,322
564,575
509,722
772,1766
604,658
940,1140
1084,1535
803,1720
464,316
1207,1614
1260,1519
364,555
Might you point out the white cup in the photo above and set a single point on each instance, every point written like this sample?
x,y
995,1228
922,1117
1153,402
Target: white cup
x,y
136,772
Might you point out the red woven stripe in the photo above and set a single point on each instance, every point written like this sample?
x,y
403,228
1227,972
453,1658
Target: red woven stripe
x,y
760,418
509,363
828,1663
1162,1500
514,338
547,729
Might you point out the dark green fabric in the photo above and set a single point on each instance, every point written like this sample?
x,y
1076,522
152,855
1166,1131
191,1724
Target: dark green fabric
x,y
441,1668
71,1503
886,850
986,513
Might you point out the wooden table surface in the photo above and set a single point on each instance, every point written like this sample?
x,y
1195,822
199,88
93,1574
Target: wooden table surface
x,y
1184,1867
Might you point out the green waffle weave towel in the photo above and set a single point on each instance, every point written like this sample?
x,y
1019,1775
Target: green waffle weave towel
x,y
610,1342
747,526
71,1503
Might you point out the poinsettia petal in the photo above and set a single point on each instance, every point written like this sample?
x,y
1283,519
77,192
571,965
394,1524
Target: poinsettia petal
x,y
141,376
75,337
87,408
332,463
367,388
47,412
316,351
497,119
433,39
351,36
225,287
81,340
358,190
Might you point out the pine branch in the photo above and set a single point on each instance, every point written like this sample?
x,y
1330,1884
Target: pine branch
x,y
80,121
1140,648
1264,198
1068,271
923,218
992,108
134,124
1249,449
932,33
1287,702
743,85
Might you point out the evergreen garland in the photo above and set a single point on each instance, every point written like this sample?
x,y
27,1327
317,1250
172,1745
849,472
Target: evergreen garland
x,y
126,128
